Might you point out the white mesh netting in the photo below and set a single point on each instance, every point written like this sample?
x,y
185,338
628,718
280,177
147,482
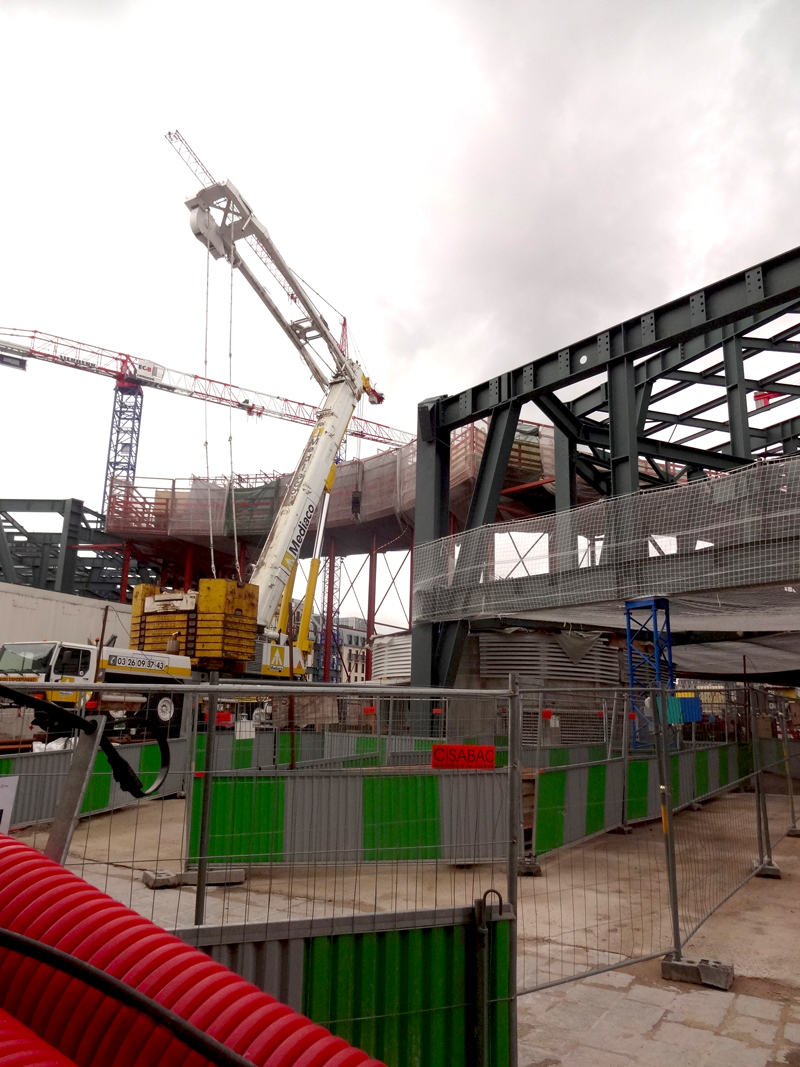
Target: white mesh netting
x,y
723,543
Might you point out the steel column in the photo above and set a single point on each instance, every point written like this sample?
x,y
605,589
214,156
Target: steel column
x,y
431,514
564,470
67,555
188,569
736,388
6,561
623,438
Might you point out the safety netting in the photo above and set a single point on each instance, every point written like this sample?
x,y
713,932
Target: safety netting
x,y
719,544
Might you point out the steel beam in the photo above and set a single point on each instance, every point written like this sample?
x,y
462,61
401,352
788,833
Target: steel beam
x,y
663,363
759,288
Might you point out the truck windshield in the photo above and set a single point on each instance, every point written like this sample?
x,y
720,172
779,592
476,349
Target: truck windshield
x,y
33,658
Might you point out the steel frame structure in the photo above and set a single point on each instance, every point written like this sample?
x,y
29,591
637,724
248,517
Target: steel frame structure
x,y
79,559
626,427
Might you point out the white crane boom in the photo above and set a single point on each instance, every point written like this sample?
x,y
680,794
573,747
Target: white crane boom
x,y
220,216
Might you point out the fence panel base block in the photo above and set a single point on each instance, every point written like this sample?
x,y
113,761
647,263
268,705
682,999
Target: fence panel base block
x,y
700,972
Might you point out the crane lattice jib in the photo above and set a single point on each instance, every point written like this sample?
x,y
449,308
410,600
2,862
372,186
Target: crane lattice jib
x,y
122,367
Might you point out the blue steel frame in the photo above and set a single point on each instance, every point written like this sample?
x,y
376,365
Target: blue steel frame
x,y
647,620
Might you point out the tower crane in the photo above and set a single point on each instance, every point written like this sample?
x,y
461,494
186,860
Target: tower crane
x,y
221,219
131,373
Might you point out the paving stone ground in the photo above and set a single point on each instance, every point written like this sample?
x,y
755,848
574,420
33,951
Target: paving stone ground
x,y
632,1017
622,1018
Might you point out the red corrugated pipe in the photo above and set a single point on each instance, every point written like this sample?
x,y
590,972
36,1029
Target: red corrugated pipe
x,y
44,901
22,1048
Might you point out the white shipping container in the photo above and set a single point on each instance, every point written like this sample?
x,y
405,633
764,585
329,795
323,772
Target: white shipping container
x,y
28,614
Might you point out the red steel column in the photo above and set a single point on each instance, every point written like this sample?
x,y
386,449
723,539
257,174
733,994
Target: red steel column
x,y
373,574
123,578
326,655
188,569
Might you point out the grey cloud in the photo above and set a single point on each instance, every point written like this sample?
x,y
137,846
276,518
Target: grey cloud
x,y
631,150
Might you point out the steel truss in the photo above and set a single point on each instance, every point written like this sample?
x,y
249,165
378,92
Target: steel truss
x,y
629,430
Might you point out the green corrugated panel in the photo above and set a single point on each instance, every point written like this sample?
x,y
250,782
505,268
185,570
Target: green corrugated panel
x,y
242,755
6,766
403,996
247,816
422,744
149,764
285,747
401,818
559,757
501,758
98,791
597,753
365,745
550,810
638,783
701,772
499,1013
724,772
596,800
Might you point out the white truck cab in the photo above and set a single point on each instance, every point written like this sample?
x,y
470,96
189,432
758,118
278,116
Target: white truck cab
x,y
54,663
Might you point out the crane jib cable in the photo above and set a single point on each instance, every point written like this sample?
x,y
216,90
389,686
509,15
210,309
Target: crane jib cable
x,y
195,1039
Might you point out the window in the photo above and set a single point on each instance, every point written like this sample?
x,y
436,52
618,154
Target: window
x,y
72,661
33,657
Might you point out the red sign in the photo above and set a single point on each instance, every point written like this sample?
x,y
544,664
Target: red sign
x,y
472,757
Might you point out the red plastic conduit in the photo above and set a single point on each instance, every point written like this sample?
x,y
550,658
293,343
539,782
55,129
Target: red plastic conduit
x,y
44,901
20,1047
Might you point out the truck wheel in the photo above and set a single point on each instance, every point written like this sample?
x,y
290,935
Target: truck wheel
x,y
166,709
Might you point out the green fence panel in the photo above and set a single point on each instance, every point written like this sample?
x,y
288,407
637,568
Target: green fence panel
x,y
247,818
149,764
407,997
551,787
701,772
242,755
6,766
596,800
98,791
558,757
401,818
597,753
638,785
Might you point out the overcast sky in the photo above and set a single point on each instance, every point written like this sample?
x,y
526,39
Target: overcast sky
x,y
472,183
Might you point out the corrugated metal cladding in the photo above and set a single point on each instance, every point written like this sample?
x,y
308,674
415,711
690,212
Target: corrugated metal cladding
x,y
401,986
539,658
391,658
28,614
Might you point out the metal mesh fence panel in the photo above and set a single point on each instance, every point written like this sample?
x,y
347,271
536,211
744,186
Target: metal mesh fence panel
x,y
735,534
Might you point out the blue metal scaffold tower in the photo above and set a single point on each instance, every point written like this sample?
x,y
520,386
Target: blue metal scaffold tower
x,y
647,623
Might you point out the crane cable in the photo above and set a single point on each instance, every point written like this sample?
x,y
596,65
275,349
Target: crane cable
x,y
205,414
230,428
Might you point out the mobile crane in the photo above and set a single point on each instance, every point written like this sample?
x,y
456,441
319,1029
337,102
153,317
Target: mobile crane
x,y
220,217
